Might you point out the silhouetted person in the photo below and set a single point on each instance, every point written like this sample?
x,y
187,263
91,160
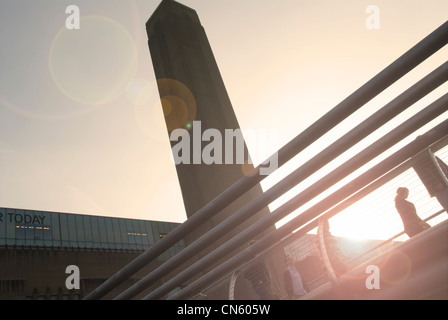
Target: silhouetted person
x,y
259,277
293,280
411,221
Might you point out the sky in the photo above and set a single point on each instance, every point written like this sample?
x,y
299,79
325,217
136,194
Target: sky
x,y
81,125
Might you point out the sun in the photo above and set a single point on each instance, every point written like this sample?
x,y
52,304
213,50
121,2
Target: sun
x,y
374,217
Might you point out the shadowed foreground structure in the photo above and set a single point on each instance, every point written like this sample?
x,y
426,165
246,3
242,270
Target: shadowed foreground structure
x,y
425,254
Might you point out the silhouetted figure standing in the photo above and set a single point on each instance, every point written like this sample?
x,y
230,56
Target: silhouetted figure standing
x,y
411,221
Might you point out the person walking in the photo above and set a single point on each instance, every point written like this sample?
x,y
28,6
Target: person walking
x,y
412,223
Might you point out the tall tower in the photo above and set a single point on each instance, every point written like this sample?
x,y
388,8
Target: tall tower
x,y
192,91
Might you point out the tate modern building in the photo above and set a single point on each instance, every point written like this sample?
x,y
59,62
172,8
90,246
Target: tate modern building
x,y
36,247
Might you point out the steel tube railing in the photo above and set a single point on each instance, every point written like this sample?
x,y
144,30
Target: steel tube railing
x,y
420,52
396,135
432,136
424,278
392,238
347,203
392,109
359,195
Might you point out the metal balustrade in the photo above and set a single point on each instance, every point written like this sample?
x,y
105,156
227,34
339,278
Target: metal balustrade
x,y
299,227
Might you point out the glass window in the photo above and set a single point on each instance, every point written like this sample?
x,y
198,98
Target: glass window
x,y
27,227
149,232
130,227
19,217
163,230
137,234
37,227
88,231
20,234
29,235
72,230
117,233
55,231
144,241
10,227
95,232
64,231
102,232
80,231
155,231
2,226
110,233
131,234
47,234
123,235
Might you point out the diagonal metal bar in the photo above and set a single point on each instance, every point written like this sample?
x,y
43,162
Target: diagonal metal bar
x,y
408,61
429,113
388,112
358,196
432,136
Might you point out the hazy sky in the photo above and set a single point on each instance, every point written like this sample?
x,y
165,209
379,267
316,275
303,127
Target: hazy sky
x,y
81,126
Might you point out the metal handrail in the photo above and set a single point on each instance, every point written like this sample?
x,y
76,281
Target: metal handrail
x,y
432,136
432,216
372,88
403,101
396,135
345,204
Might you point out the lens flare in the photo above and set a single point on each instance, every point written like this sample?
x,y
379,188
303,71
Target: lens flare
x,y
148,112
396,269
29,112
93,65
178,103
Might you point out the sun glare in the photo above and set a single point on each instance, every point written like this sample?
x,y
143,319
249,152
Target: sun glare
x,y
374,216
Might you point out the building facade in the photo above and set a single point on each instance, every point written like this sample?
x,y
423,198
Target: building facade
x,y
36,247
